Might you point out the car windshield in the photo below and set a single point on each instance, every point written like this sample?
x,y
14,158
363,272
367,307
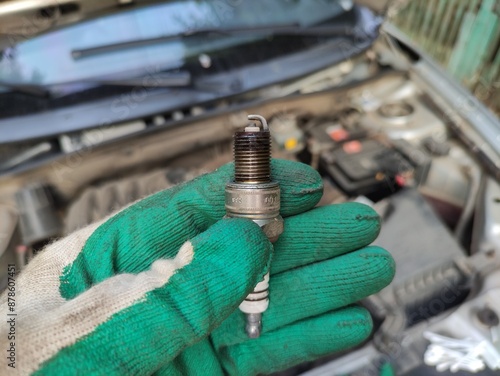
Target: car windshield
x,y
49,59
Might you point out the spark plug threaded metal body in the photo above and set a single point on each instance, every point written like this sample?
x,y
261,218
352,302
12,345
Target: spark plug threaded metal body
x,y
252,157
253,195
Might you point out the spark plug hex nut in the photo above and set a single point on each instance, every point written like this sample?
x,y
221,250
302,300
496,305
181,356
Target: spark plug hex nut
x,y
262,199
260,203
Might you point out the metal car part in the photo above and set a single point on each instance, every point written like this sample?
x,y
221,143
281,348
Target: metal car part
x,y
37,214
486,230
426,241
26,155
87,139
402,115
97,202
286,133
253,195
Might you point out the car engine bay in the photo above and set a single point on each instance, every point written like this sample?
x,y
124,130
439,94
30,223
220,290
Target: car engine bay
x,y
376,136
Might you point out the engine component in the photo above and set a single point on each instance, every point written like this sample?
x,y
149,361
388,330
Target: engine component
x,y
426,243
436,147
375,169
287,134
37,213
396,111
253,195
403,116
485,236
425,270
97,202
452,185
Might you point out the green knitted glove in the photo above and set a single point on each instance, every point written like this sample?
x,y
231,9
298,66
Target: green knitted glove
x,y
155,288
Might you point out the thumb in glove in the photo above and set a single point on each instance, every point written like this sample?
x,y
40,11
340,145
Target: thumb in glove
x,y
143,319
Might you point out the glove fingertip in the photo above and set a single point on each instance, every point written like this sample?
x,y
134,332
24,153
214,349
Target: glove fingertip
x,y
301,185
364,213
323,233
386,266
359,320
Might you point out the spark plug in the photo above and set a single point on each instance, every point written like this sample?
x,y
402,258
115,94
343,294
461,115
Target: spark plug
x,y
253,195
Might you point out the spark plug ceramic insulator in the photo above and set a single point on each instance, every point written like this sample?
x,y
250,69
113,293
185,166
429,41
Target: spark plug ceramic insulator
x,y
253,195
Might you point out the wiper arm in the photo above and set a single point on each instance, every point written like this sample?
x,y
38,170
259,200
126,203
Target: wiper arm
x,y
28,89
289,29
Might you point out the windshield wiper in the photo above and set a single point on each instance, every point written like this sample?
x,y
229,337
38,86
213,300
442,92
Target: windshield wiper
x,y
290,29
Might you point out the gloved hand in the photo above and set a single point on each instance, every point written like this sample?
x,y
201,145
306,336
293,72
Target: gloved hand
x,y
155,288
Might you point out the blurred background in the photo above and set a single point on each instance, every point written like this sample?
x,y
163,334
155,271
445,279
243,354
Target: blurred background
x,y
394,103
461,35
